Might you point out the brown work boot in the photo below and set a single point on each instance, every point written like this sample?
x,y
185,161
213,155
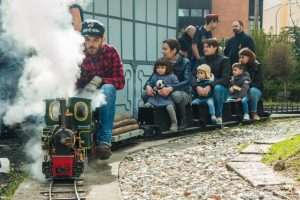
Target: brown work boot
x,y
255,116
103,151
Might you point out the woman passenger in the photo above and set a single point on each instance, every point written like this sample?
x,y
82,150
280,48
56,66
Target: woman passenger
x,y
253,67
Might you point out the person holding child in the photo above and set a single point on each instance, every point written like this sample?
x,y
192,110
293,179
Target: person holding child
x,y
220,67
204,78
239,86
162,76
180,92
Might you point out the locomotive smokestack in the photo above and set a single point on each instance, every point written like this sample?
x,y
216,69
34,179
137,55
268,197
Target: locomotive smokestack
x,y
68,120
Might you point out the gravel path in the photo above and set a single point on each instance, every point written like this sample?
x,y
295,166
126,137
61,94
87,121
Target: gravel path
x,y
193,167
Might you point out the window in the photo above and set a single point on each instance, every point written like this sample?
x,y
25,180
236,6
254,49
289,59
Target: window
x,y
183,12
172,13
162,12
196,12
205,12
101,7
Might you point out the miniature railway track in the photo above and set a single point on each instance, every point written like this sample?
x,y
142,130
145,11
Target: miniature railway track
x,y
64,190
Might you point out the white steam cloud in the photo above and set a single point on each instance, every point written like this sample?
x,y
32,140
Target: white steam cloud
x,y
44,28
34,152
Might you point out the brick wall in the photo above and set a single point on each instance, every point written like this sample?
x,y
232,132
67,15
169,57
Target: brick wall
x,y
230,10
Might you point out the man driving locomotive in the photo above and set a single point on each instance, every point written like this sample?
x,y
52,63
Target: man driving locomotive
x,y
102,69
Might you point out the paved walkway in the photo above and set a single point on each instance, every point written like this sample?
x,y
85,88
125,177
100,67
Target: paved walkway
x,y
249,166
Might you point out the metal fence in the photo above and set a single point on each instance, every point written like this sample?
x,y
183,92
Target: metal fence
x,y
283,108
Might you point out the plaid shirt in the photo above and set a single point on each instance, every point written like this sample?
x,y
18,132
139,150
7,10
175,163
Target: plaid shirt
x,y
106,64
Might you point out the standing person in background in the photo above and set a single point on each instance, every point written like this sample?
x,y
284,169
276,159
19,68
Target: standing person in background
x,y
77,16
237,42
202,33
186,42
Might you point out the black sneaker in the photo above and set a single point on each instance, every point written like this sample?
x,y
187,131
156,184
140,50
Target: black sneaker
x,y
103,151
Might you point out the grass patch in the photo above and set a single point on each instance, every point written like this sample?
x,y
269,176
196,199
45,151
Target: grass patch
x,y
15,179
283,150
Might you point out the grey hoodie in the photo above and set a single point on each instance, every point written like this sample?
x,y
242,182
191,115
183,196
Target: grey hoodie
x,y
243,81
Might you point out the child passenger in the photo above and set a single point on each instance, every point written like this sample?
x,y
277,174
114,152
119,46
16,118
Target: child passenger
x,y
204,79
163,76
239,86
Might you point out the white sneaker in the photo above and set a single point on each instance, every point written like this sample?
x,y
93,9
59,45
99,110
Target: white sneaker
x,y
246,117
213,119
174,127
219,121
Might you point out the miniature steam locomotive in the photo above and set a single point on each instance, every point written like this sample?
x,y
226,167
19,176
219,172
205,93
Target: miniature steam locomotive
x,y
67,138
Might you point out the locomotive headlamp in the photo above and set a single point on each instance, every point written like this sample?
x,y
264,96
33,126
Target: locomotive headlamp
x,y
81,111
54,110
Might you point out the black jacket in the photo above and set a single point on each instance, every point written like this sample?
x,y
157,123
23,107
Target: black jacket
x,y
200,35
235,44
203,84
242,81
186,45
182,69
256,75
220,67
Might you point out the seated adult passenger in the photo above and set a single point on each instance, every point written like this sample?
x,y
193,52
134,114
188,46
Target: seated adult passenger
x,y
220,67
102,69
180,92
253,67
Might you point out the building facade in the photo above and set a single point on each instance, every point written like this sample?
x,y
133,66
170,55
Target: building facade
x,y
192,12
228,11
279,14
136,28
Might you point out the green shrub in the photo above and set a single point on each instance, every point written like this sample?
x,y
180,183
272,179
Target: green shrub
x,y
281,65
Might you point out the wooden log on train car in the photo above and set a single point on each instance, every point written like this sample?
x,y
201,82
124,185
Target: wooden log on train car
x,y
124,129
124,122
122,116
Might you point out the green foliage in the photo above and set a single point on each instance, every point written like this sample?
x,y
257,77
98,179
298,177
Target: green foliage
x,y
294,34
262,44
283,150
16,178
281,61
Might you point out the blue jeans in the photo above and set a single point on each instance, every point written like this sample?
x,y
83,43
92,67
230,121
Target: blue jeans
x,y
245,105
209,102
254,95
220,96
244,102
107,115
